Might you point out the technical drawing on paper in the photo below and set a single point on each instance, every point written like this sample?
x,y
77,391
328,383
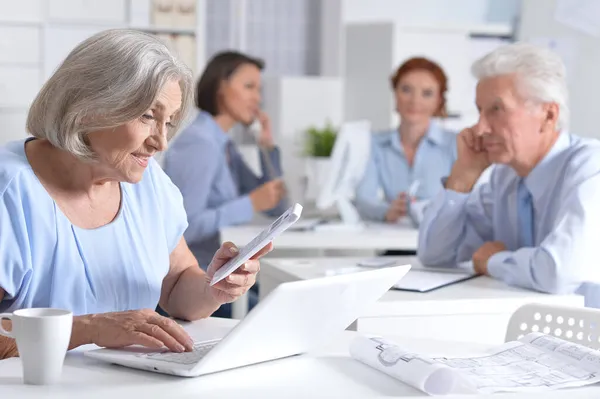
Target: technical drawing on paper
x,y
525,366
535,363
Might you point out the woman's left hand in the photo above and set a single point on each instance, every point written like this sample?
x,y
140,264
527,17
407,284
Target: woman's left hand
x,y
266,135
239,282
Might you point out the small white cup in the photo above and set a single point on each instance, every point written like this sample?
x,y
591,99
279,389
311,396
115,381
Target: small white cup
x,y
42,336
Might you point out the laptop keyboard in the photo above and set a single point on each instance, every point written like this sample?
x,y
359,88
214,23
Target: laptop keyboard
x,y
200,350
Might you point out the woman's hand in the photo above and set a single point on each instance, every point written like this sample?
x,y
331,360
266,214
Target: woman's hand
x,y
265,139
237,283
135,327
398,208
268,195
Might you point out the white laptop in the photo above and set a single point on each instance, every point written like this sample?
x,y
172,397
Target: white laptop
x,y
293,319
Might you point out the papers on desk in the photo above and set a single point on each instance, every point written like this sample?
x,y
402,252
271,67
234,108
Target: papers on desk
x,y
534,363
425,280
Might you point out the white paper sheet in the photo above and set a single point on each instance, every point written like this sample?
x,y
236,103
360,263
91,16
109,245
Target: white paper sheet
x,y
535,363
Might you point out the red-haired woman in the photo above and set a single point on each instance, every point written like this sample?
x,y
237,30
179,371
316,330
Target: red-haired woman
x,y
418,153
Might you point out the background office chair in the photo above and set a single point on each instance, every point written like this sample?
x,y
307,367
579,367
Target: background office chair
x,y
578,325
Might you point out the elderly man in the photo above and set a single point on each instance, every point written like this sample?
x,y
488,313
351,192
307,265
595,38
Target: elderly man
x,y
536,222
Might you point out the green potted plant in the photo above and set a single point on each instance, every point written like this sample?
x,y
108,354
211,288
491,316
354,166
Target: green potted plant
x,y
320,141
319,144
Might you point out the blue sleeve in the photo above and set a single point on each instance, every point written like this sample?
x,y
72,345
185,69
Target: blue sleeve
x,y
171,206
368,203
455,225
15,256
194,171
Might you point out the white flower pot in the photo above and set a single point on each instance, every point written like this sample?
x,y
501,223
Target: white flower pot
x,y
316,172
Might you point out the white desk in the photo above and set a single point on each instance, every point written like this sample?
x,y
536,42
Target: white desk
x,y
320,242
475,310
328,372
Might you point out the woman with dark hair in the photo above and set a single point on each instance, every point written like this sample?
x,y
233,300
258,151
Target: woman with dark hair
x,y
418,153
218,188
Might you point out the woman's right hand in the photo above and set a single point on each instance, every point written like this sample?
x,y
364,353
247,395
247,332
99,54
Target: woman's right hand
x,y
268,195
136,327
398,208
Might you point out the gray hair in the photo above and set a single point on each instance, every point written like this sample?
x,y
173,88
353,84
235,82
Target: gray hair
x,y
109,79
540,72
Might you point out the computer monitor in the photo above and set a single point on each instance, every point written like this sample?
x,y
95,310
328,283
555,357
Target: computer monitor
x,y
351,152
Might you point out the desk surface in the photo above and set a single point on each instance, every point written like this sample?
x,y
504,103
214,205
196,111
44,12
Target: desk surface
x,y
373,237
480,294
328,372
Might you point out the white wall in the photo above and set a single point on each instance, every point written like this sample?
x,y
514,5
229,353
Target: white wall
x,y
36,35
294,104
503,10
367,68
537,20
431,12
416,12
438,29
332,38
20,60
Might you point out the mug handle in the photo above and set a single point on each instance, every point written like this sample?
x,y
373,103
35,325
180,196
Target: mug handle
x,y
2,330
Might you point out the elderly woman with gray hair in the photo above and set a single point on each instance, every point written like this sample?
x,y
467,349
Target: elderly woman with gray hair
x,y
88,220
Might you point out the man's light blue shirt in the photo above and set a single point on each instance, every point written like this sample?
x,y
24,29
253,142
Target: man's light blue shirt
x,y
197,163
565,189
389,171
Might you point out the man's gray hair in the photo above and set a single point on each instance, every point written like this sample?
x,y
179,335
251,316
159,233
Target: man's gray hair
x,y
109,79
541,74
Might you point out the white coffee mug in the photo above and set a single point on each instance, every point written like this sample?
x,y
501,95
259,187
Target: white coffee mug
x,y
43,336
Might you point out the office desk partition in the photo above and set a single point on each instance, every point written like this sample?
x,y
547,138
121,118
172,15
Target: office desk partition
x,y
476,310
374,237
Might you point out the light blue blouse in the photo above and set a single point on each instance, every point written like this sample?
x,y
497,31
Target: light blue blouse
x,y
388,169
45,261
